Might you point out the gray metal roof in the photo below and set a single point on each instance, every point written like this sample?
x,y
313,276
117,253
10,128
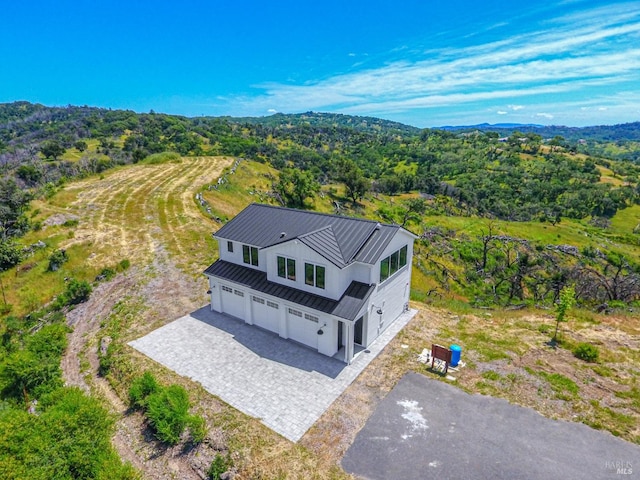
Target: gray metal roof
x,y
341,240
347,307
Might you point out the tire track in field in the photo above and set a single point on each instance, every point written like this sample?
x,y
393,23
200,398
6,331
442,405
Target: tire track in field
x,y
184,185
115,206
177,210
137,200
95,203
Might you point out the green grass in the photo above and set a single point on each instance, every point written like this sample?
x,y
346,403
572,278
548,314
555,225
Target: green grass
x,y
563,387
163,157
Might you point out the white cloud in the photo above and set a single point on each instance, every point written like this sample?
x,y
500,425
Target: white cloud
x,y
544,115
569,60
272,110
501,112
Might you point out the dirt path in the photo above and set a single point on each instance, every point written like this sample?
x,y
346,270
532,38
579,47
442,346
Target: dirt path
x,y
140,213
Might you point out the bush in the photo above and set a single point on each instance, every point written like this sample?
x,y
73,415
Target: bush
x,y
78,291
123,265
168,413
141,388
163,157
56,260
586,352
219,465
198,428
106,274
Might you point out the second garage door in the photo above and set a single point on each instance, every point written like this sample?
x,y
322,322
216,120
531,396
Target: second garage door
x,y
266,314
303,327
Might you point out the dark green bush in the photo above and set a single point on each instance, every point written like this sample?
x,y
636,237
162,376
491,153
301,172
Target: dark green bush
x,y
105,274
78,291
141,388
586,352
56,260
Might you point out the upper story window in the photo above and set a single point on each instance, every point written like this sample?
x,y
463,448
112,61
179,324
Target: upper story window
x,y
250,255
391,264
287,268
230,246
314,275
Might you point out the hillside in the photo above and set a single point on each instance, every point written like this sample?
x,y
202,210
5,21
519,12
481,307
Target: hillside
x,y
105,240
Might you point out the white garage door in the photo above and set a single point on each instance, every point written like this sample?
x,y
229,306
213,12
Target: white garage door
x,y
266,314
232,301
303,327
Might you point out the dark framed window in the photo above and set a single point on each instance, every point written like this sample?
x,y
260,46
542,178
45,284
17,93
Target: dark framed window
x,y
250,255
309,274
320,273
403,256
291,269
314,275
384,269
393,263
230,246
287,268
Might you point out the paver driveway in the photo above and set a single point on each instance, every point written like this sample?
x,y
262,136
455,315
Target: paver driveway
x,y
426,429
285,385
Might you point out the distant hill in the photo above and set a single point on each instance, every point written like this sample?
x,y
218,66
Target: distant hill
x,y
315,119
601,133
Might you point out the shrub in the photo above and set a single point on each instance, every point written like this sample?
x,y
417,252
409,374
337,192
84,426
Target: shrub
x,y
163,157
198,428
219,465
56,260
586,352
106,274
168,413
124,264
78,291
141,388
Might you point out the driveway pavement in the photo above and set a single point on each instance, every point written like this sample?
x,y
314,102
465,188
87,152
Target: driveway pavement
x,y
426,429
287,386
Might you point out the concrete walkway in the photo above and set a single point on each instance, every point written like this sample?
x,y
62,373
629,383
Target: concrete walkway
x,y
285,385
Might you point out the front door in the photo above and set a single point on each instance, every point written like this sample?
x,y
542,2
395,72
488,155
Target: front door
x,y
340,333
357,331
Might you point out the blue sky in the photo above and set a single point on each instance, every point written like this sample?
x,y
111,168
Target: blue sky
x,y
424,63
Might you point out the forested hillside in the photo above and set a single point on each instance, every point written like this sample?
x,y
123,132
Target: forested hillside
x,y
358,162
504,220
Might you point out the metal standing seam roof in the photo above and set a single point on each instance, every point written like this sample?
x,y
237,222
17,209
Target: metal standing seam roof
x,y
354,297
341,240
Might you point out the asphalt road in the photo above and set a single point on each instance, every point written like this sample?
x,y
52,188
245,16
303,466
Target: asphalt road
x,y
426,429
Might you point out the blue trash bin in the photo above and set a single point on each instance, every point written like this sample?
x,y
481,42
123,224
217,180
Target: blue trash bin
x,y
456,351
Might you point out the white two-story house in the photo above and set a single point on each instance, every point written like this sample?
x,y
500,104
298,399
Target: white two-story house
x,y
330,282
